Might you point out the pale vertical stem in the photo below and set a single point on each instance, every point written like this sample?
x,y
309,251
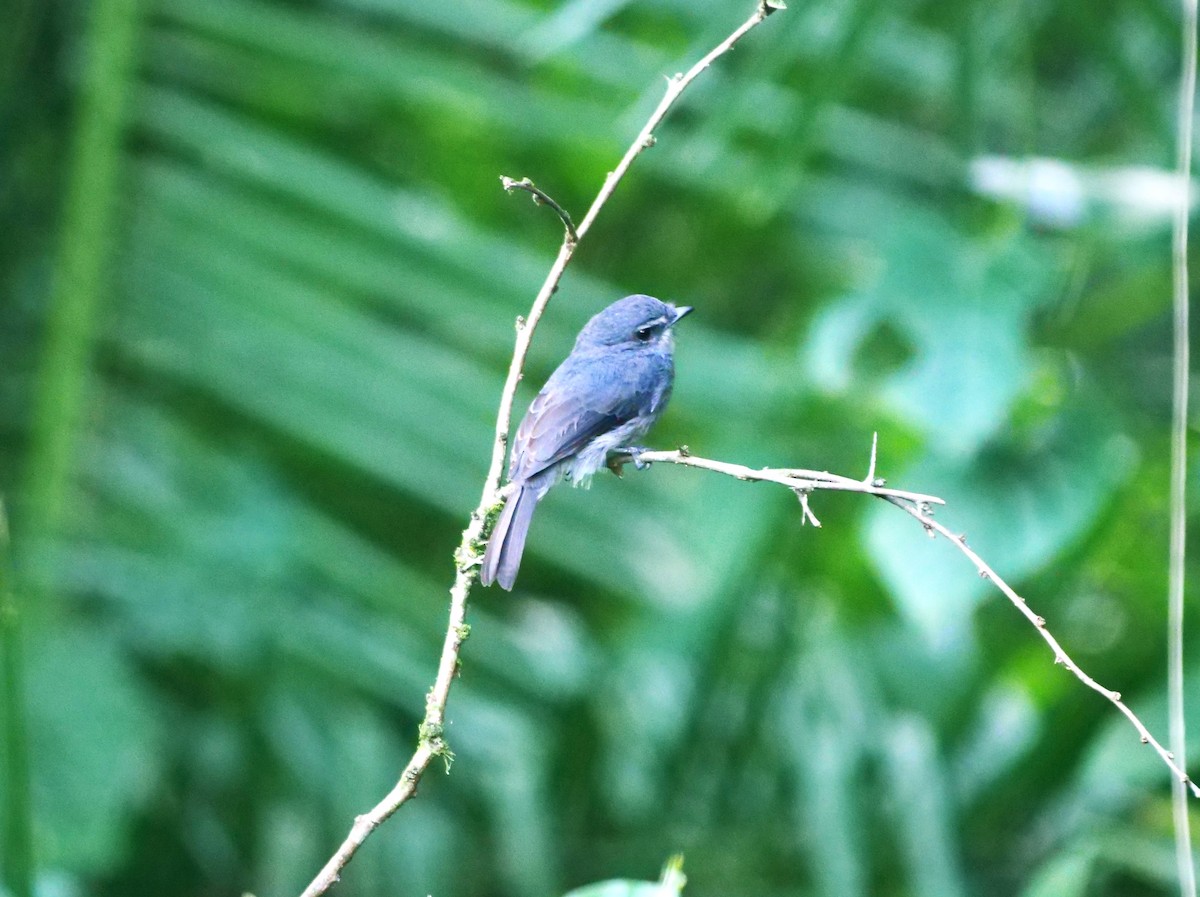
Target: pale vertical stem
x,y
1177,735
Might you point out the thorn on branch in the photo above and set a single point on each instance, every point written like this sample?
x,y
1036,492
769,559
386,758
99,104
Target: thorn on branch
x,y
650,141
770,6
808,515
685,451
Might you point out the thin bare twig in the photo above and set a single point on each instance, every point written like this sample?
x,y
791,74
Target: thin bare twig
x,y
675,86
1179,423
431,740
1060,655
802,482
919,507
541,197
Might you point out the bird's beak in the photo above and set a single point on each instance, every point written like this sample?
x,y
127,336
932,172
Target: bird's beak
x,y
680,312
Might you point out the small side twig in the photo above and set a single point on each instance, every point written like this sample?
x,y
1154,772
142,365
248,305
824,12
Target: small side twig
x,y
806,510
541,197
919,507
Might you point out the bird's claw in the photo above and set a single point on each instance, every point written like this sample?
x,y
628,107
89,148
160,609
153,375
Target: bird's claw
x,y
635,453
618,458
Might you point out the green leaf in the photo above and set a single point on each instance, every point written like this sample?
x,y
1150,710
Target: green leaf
x,y
1069,874
618,887
96,744
963,305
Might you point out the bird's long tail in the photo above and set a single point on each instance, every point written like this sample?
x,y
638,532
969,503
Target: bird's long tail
x,y
507,543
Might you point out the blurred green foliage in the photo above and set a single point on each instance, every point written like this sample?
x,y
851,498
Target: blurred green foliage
x,y
258,284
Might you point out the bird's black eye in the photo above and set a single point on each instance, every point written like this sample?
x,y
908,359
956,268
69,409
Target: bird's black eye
x,y
643,333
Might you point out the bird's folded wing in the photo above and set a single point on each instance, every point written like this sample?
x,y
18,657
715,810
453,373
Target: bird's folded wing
x,y
562,420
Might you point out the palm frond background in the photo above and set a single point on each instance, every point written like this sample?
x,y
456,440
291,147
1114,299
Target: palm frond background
x,y
288,278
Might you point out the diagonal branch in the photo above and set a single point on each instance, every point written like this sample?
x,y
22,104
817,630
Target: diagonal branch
x,y
431,739
675,86
1060,655
920,508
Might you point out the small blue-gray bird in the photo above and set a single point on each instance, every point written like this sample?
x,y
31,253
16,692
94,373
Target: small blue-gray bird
x,y
606,393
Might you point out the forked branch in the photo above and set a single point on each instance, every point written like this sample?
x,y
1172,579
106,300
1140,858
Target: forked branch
x,y
431,741
920,508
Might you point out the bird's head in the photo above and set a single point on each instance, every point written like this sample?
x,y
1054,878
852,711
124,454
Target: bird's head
x,y
635,320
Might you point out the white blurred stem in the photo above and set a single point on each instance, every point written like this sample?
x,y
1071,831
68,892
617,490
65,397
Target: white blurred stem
x,y
1175,593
